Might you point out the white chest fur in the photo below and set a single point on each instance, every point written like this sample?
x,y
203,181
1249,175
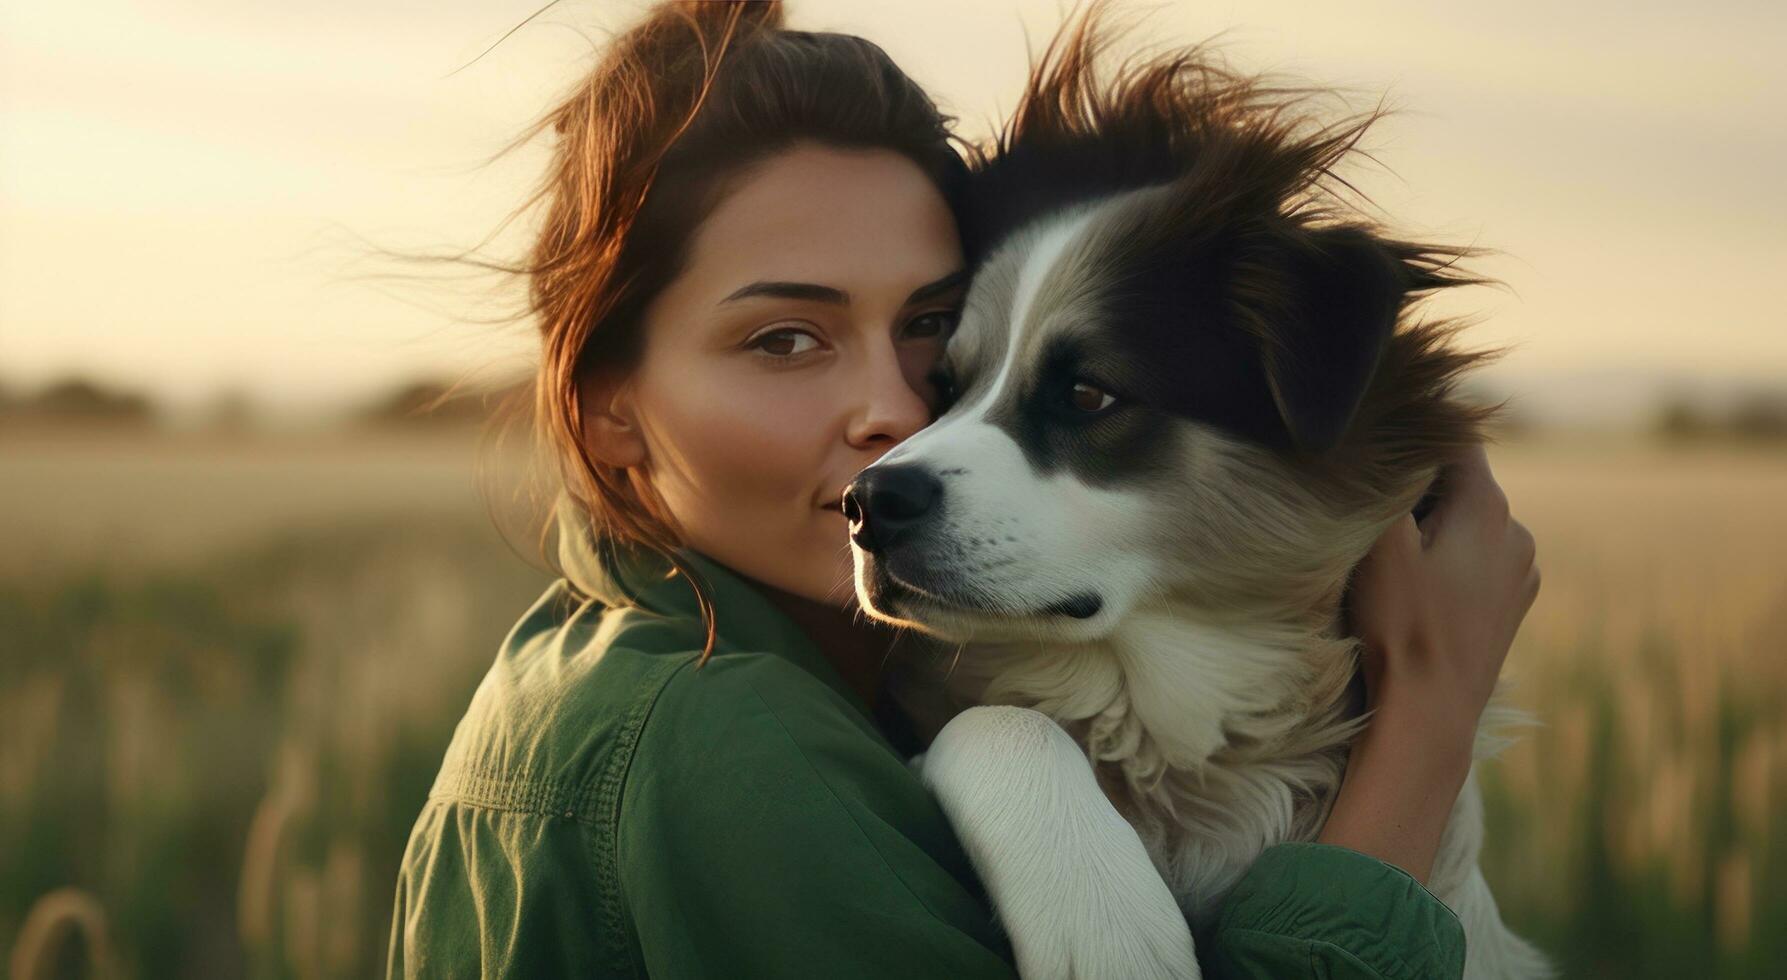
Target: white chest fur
x,y
1108,793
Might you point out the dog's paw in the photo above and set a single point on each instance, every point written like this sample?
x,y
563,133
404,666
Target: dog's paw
x,y
1069,877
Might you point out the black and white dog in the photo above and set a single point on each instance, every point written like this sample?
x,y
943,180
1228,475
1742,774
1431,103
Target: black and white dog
x,y
1185,401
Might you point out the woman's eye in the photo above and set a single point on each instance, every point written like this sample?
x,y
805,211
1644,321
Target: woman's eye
x,y
932,324
1090,398
786,342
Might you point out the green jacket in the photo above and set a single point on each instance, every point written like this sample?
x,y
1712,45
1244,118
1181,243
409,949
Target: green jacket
x,y
606,810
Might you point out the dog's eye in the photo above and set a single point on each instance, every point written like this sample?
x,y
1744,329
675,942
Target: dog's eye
x,y
1089,398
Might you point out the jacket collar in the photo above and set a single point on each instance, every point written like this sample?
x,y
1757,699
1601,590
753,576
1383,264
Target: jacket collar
x,y
744,618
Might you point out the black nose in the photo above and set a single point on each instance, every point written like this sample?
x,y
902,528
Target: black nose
x,y
884,501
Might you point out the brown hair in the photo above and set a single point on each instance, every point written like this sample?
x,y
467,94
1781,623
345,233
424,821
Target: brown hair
x,y
647,143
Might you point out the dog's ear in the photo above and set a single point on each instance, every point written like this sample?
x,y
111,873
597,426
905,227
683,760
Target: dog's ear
x,y
1346,292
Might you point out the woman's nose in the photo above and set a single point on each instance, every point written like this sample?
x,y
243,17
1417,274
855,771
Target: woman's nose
x,y
886,407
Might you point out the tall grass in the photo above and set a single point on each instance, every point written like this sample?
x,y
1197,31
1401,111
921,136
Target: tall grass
x,y
228,758
213,763
1640,832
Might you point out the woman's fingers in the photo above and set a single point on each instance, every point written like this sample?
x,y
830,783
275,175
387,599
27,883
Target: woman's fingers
x,y
1529,550
1399,540
1526,550
1470,504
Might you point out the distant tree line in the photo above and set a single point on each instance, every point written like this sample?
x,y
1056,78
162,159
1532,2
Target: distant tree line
x,y
80,400
432,403
1759,415
77,401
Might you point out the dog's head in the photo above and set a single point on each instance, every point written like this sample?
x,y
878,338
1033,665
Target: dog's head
x,y
1178,371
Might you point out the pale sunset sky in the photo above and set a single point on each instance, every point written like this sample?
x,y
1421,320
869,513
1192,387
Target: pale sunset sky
x,y
184,187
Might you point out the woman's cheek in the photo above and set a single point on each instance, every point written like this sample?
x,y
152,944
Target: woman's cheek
x,y
764,433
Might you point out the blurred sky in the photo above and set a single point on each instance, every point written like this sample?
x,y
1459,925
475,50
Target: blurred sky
x,y
184,189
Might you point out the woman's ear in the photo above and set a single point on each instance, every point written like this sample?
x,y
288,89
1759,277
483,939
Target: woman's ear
x,y
610,426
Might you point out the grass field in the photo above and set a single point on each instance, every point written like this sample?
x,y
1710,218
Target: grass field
x,y
227,673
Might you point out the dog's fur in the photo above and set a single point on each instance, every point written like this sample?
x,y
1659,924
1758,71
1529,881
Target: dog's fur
x,y
1163,578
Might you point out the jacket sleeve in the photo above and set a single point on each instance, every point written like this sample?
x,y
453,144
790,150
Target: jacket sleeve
x,y
766,833
500,893
1320,910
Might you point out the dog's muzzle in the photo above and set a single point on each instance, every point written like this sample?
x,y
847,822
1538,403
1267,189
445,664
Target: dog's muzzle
x,y
884,504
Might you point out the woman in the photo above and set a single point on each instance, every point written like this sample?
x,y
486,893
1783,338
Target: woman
x,y
683,762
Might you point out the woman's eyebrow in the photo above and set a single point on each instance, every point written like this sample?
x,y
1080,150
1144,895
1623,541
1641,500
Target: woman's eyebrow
x,y
932,290
812,292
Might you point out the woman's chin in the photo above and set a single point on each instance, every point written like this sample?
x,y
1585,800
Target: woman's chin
x,y
819,571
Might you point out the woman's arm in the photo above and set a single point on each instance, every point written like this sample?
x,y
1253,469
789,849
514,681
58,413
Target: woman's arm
x,y
1437,605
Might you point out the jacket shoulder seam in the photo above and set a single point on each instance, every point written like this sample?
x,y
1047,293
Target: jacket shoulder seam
x,y
604,803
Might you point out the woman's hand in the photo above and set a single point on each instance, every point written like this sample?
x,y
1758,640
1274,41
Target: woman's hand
x,y
1437,605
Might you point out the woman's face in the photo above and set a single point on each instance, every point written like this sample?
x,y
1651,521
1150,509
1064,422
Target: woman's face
x,y
792,352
